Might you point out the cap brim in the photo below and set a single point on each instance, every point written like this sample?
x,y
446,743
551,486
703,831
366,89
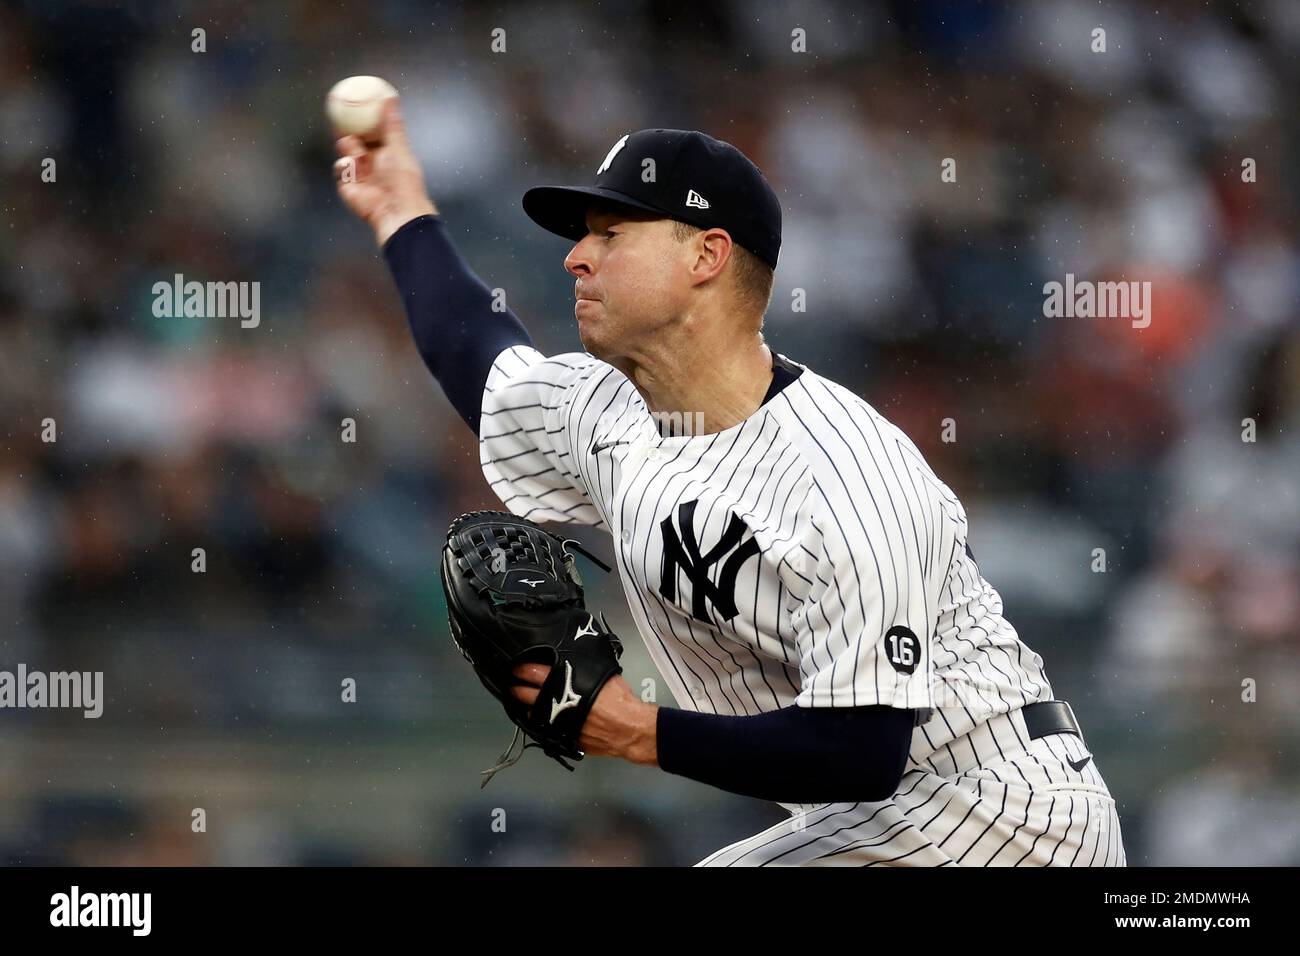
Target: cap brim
x,y
563,209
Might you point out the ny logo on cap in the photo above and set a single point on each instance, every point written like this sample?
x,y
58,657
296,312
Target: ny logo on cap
x,y
694,199
609,157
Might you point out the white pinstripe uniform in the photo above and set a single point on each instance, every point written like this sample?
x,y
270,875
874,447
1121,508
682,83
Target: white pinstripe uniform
x,y
808,556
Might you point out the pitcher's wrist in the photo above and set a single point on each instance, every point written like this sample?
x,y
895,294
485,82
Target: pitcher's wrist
x,y
389,223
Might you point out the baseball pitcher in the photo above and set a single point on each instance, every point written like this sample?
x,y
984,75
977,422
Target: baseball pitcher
x,y
801,578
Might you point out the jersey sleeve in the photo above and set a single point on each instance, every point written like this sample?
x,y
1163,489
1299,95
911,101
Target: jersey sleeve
x,y
865,632
526,440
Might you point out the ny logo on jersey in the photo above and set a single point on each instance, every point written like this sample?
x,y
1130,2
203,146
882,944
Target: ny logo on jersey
x,y
683,553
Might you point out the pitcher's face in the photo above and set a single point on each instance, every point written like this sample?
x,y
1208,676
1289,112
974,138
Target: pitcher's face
x,y
632,279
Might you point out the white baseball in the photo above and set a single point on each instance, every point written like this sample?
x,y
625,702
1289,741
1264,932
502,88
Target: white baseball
x,y
355,106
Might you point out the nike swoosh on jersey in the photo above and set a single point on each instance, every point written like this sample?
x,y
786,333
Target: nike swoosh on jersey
x,y
1081,764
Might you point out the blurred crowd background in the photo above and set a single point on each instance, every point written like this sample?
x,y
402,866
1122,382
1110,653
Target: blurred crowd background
x,y
223,688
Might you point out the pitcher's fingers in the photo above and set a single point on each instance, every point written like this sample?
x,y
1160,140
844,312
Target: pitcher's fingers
x,y
354,168
394,124
534,673
349,146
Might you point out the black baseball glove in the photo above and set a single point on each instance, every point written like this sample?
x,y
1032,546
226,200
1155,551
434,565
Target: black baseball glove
x,y
514,596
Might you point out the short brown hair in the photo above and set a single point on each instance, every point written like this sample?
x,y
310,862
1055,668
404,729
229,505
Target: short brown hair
x,y
753,275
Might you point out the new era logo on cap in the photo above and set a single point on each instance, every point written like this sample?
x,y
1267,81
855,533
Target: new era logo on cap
x,y
670,172
695,199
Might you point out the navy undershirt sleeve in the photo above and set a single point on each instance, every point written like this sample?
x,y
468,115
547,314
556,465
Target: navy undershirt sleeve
x,y
792,755
450,313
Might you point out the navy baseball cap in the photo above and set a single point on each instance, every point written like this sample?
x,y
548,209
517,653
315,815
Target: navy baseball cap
x,y
693,177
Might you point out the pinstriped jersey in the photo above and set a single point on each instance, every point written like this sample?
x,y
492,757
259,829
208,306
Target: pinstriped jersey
x,y
805,556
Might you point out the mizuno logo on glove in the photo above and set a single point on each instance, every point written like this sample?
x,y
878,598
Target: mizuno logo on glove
x,y
587,630
568,698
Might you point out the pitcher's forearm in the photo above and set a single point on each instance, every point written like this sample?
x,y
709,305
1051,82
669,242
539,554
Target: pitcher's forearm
x,y
791,755
456,329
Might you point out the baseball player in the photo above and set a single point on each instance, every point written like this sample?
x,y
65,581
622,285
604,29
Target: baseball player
x,y
800,576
